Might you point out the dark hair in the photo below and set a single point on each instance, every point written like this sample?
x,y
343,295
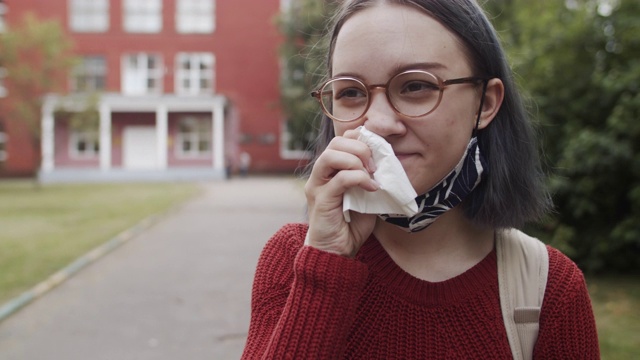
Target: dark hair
x,y
514,191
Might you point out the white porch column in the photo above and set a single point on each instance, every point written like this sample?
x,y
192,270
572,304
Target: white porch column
x,y
161,135
47,139
217,136
105,137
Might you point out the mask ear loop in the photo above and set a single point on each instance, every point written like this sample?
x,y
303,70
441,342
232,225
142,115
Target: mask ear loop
x,y
485,83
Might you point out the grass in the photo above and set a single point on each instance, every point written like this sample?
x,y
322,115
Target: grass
x,y
616,304
45,228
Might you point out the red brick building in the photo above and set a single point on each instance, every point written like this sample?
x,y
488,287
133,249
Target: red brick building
x,y
185,87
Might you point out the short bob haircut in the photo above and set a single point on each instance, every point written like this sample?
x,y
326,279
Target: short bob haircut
x,y
514,191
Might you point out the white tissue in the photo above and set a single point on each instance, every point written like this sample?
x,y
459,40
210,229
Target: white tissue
x,y
395,196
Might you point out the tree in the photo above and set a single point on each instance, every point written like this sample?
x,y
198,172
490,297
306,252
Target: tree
x,y
303,27
578,62
36,55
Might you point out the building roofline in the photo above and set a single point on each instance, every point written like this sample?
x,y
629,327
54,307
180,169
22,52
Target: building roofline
x,y
137,103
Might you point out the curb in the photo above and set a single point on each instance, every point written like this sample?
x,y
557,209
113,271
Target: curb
x,y
17,303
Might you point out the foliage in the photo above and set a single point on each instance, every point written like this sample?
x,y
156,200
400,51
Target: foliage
x,y
84,117
303,27
88,118
36,54
579,62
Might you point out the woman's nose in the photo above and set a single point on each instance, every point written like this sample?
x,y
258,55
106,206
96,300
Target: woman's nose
x,y
381,118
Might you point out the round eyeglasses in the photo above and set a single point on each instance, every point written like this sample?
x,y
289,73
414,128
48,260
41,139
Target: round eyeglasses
x,y
412,93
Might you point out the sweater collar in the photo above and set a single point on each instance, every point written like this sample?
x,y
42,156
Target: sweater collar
x,y
385,272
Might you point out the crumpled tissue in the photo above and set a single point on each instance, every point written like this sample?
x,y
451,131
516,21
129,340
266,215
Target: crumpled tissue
x,y
395,195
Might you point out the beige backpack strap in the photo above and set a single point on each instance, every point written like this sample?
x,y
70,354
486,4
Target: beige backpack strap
x,y
523,266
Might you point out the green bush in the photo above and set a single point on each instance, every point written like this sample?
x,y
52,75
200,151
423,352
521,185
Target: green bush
x,y
579,63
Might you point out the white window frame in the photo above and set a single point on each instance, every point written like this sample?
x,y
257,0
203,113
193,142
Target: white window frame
x,y
285,6
93,72
142,16
201,67
3,16
4,138
288,153
195,16
202,132
89,15
92,141
3,87
136,74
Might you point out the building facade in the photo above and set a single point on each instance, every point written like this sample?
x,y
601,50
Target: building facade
x,y
181,88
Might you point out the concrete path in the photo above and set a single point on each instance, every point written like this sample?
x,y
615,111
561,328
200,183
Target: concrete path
x,y
179,290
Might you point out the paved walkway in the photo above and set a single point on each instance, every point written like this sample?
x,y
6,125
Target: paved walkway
x,y
179,290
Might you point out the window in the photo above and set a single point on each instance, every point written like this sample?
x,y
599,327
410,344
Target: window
x,y
143,16
195,16
3,87
89,15
3,15
296,142
84,144
3,143
285,5
194,73
194,137
90,75
142,74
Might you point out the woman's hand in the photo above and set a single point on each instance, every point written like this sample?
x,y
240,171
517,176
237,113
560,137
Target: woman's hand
x,y
345,163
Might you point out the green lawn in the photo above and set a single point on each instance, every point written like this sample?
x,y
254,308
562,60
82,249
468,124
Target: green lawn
x,y
616,304
43,229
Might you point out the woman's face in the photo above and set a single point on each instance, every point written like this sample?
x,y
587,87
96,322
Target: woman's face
x,y
379,42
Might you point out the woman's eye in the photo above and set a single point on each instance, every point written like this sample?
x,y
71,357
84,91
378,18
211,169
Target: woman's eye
x,y
350,93
419,86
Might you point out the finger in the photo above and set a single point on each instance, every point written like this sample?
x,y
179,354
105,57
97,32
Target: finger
x,y
351,134
347,179
331,162
355,147
331,192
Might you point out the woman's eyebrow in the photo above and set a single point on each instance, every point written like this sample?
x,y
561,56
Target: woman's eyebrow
x,y
418,66
427,66
349,74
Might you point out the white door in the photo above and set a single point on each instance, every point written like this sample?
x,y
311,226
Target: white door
x,y
139,148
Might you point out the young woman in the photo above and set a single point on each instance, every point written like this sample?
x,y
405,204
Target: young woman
x,y
430,77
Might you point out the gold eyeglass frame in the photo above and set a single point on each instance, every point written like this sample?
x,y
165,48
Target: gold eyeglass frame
x,y
442,84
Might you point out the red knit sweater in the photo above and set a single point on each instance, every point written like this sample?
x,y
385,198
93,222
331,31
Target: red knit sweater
x,y
310,304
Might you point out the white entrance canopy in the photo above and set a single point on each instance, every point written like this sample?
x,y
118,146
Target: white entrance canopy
x,y
161,105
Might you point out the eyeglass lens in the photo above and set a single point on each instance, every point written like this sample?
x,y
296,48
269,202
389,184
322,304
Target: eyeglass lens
x,y
412,93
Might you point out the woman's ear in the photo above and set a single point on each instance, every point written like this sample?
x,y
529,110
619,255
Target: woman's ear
x,y
493,97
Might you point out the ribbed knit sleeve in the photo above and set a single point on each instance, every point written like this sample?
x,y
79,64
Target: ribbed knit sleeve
x,y
303,301
567,324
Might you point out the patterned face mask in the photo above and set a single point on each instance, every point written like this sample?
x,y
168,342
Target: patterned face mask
x,y
446,194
